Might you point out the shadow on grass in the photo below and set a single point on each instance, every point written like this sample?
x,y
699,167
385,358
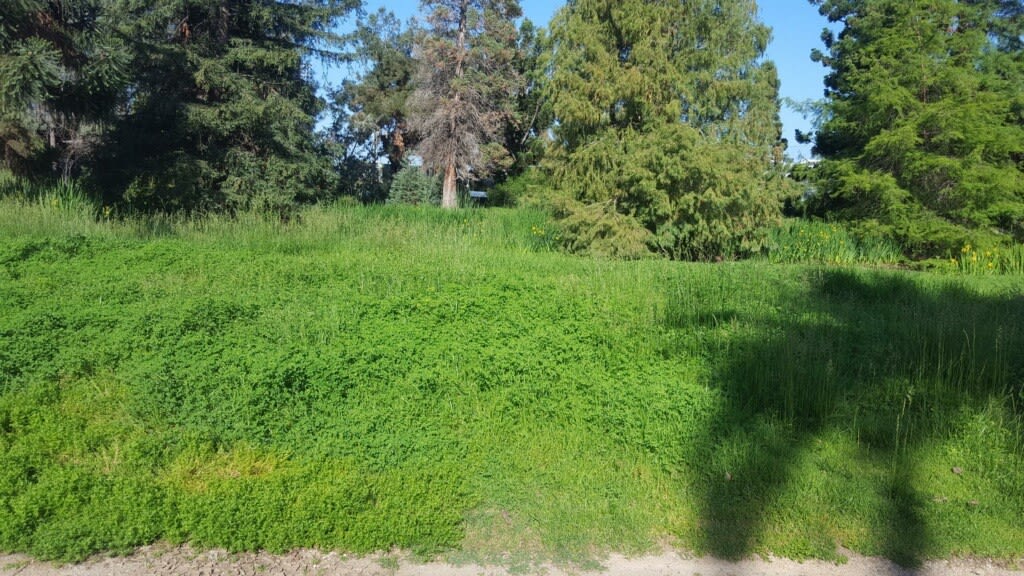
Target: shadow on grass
x,y
883,356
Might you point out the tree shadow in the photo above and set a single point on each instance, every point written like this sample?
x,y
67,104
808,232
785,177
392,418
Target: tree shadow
x,y
884,356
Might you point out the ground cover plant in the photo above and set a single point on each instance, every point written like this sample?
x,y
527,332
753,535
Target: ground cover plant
x,y
362,378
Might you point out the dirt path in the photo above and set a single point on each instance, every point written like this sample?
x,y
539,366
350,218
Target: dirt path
x,y
182,561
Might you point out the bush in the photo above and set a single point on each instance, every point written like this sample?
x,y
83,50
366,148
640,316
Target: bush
x,y
412,186
699,200
529,189
599,230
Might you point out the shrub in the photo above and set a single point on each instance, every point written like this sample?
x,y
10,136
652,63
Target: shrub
x,y
412,186
531,188
599,230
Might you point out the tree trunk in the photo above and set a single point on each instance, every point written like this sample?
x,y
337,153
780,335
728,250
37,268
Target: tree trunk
x,y
449,194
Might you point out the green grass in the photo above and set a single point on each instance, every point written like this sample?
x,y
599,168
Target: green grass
x,y
364,378
798,241
988,261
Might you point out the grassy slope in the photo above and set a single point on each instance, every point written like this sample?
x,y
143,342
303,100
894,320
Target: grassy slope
x,y
371,378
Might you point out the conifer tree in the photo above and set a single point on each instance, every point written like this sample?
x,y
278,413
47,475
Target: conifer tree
x,y
465,87
222,104
666,119
374,101
524,133
924,132
62,70
370,108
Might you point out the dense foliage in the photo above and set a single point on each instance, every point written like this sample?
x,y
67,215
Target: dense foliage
x,y
371,106
253,385
654,124
175,105
189,356
525,138
412,186
222,106
924,132
63,68
666,117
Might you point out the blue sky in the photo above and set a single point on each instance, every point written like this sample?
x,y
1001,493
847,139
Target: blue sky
x,y
796,29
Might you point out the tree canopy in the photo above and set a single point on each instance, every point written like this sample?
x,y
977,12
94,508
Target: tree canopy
x,y
178,104
372,103
652,127
62,70
666,119
924,132
222,105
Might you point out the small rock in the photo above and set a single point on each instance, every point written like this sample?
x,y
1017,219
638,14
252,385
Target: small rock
x,y
957,470
728,477
973,503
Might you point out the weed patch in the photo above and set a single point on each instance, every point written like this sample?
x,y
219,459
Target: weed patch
x,y
400,376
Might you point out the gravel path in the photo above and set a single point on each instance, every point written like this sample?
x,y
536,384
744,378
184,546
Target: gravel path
x,y
163,561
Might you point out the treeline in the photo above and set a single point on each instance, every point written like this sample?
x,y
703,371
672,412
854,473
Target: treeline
x,y
165,105
644,127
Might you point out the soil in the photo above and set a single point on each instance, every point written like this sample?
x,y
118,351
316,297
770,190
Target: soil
x,y
168,561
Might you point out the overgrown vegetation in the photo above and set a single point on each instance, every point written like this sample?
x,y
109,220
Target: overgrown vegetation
x,y
654,126
190,354
806,242
255,384
172,105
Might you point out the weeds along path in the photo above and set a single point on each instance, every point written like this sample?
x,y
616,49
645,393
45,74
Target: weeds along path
x,y
184,561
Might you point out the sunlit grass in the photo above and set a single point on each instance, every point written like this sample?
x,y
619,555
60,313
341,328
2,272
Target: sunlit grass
x,y
367,377
812,242
988,261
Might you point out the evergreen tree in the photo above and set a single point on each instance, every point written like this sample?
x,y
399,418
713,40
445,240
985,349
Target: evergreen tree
x,y
666,122
222,107
62,70
371,120
376,99
412,186
465,88
924,133
532,113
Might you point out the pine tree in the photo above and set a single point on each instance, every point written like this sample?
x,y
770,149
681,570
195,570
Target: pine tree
x,y
62,70
371,119
411,186
525,132
222,107
924,133
376,99
666,122
465,87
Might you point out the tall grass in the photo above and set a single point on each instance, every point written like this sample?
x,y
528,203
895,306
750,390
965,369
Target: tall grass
x,y
988,261
809,242
362,378
46,209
